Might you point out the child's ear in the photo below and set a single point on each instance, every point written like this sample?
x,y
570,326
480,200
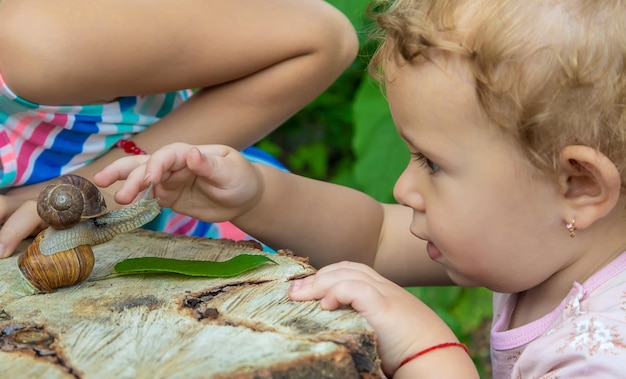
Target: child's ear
x,y
590,184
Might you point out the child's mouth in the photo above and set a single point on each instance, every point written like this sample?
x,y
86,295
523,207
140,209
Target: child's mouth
x,y
432,251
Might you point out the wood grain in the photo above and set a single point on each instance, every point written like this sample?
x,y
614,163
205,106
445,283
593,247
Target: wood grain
x,y
173,326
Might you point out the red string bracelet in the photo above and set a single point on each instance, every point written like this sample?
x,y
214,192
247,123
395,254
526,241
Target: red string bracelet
x,y
435,347
129,147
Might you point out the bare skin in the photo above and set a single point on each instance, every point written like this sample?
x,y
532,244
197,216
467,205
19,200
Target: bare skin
x,y
255,65
326,222
466,215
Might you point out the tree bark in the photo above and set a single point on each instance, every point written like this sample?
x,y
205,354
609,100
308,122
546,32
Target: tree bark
x,y
174,326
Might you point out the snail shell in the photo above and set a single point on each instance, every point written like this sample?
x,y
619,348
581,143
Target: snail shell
x,y
69,199
61,257
45,273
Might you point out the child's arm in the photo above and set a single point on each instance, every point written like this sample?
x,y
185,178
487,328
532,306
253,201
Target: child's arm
x,y
255,64
323,221
403,324
331,223
326,222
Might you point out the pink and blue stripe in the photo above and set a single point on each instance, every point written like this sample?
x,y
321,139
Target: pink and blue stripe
x,y
40,142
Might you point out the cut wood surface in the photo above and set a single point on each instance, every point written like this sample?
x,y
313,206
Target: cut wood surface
x,y
174,326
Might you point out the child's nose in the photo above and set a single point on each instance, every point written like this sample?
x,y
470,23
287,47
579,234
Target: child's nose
x,y
406,192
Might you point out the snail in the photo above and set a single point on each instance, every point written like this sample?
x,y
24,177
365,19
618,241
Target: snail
x,y
61,254
68,200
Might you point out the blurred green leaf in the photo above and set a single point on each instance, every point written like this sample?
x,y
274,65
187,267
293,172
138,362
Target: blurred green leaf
x,y
379,151
438,297
312,157
473,307
355,10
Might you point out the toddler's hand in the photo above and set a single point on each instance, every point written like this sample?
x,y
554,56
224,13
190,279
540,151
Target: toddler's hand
x,y
210,182
19,220
403,324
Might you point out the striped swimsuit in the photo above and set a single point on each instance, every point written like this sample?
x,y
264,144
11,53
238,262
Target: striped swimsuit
x,y
39,143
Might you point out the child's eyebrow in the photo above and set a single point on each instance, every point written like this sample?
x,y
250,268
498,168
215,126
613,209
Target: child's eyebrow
x,y
408,141
414,140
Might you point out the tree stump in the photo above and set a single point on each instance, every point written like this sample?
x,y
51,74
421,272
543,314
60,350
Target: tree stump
x,y
173,326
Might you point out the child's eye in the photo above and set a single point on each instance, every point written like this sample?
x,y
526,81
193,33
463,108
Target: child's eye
x,y
425,162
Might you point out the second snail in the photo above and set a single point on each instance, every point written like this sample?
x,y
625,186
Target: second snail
x,y
76,213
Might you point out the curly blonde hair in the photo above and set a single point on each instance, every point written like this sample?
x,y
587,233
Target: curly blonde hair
x,y
551,73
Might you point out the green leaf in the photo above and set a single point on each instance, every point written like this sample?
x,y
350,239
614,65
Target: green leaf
x,y
381,155
232,267
473,307
355,10
313,156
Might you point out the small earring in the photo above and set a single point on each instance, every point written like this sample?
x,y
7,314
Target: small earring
x,y
571,228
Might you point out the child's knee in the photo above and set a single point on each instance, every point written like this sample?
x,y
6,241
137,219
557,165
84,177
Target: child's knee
x,y
339,37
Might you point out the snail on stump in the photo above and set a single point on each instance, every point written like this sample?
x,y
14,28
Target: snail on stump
x,y
61,255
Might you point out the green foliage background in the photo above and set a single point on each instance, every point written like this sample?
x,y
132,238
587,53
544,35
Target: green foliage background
x,y
347,136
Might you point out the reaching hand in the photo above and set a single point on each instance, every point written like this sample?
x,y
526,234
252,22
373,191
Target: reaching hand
x,y
19,220
210,182
403,324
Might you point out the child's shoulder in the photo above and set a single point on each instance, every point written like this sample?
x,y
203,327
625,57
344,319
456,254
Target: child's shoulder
x,y
604,291
592,322
589,333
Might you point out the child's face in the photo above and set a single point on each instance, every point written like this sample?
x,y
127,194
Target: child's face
x,y
488,220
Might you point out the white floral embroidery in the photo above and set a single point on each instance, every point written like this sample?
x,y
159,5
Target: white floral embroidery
x,y
594,336
573,304
576,305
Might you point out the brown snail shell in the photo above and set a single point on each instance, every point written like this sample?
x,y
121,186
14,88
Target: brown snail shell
x,y
45,273
69,199
61,257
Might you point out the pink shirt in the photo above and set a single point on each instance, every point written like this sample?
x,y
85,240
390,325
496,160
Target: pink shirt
x,y
584,337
